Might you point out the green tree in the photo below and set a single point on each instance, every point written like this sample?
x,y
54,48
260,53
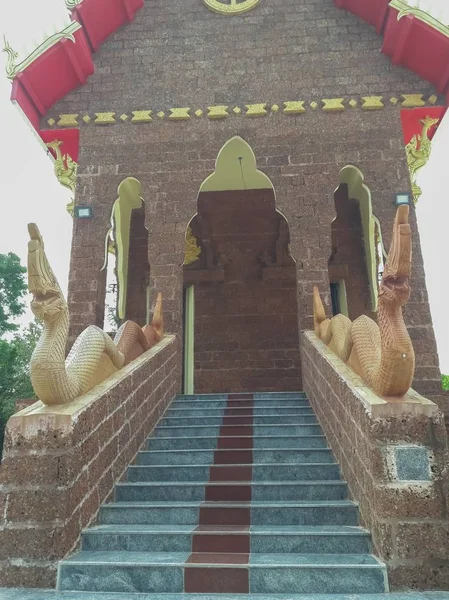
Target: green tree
x,y
445,382
15,383
12,291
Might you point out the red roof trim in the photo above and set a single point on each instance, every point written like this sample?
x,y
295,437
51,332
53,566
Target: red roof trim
x,y
409,41
67,65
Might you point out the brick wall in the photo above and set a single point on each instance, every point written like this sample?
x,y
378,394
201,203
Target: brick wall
x,y
139,269
61,463
246,326
180,54
348,260
394,457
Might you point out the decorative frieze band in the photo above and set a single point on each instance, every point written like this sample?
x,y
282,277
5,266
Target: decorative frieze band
x,y
262,109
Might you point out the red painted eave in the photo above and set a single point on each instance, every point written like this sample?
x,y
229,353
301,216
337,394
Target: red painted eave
x,y
409,41
54,74
372,11
67,65
416,45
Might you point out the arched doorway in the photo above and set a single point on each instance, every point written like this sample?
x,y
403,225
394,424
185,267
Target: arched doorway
x,y
128,240
357,257
241,279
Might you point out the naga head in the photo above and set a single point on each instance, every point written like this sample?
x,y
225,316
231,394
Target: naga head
x,y
394,287
48,300
54,144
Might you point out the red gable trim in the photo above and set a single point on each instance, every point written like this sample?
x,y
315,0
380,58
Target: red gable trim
x,y
70,141
67,65
409,42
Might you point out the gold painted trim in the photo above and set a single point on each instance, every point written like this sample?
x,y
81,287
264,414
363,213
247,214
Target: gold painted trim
x,y
260,109
72,4
12,69
418,152
189,341
65,169
192,251
333,104
404,10
231,9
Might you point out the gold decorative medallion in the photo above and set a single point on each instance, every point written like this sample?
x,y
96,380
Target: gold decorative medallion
x,y
231,7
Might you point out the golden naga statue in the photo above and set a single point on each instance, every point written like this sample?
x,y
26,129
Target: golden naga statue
x,y
418,152
381,354
65,171
94,355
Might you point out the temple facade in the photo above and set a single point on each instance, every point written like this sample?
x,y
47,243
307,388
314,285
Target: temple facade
x,y
231,156
277,136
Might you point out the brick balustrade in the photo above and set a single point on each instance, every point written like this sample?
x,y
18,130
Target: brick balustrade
x,y
394,457
61,463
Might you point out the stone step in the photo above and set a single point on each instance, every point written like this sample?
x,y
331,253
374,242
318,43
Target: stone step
x,y
207,456
144,572
237,442
237,430
42,594
186,538
341,512
242,396
219,420
239,491
240,411
256,472
224,403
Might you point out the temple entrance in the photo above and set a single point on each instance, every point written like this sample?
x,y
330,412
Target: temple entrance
x,y
356,262
243,280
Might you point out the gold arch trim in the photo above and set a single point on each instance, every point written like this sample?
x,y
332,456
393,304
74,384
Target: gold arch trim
x,y
358,190
233,8
128,199
236,169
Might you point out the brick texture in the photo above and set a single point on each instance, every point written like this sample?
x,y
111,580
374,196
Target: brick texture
x,y
246,325
408,520
347,261
181,54
52,481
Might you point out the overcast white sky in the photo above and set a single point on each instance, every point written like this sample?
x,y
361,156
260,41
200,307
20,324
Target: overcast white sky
x,y
29,191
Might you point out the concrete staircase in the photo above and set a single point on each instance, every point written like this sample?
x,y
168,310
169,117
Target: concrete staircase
x,y
234,494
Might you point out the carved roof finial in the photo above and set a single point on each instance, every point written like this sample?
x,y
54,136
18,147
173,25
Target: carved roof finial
x,y
72,4
11,63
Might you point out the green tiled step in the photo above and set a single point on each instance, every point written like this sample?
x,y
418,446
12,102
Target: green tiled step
x,y
216,421
178,538
277,491
258,472
122,571
338,512
210,442
39,594
206,456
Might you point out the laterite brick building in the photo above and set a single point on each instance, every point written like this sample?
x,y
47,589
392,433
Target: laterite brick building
x,y
256,149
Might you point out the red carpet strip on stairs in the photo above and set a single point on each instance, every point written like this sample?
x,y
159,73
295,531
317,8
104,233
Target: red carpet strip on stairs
x,y
222,536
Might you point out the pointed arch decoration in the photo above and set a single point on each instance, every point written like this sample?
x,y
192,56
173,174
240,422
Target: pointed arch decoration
x,y
236,169
372,233
129,198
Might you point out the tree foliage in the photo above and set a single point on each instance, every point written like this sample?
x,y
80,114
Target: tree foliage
x,y
15,383
445,382
16,351
12,291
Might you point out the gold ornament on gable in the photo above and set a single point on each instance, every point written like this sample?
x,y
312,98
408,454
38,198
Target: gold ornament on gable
x,y
231,7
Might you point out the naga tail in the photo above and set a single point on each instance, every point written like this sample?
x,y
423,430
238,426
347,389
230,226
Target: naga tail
x,y
158,317
154,332
319,314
